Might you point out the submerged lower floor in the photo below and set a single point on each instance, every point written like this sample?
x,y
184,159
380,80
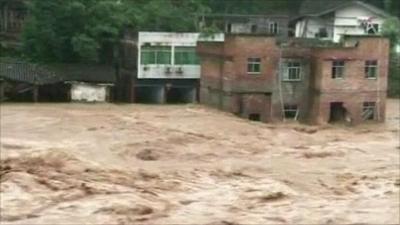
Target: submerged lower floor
x,y
159,91
317,108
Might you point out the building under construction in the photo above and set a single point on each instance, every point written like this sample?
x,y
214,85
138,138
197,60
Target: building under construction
x,y
270,79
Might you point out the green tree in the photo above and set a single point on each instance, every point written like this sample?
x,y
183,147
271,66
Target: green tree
x,y
391,29
73,30
88,30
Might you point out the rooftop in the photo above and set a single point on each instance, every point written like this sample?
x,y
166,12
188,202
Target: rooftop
x,y
22,71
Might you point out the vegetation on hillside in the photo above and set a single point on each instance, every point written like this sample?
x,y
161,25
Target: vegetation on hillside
x,y
88,30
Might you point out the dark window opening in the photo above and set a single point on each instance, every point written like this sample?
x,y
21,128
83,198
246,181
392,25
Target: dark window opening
x,y
149,95
372,28
291,111
337,69
180,95
273,28
322,33
253,28
254,117
229,28
337,112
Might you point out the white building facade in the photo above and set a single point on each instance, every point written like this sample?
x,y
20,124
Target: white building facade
x,y
163,55
163,67
348,18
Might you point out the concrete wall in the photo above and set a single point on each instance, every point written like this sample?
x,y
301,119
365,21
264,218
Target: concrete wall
x,y
313,26
262,26
292,92
89,92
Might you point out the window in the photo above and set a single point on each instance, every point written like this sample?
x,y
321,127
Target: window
x,y
291,111
186,56
371,69
155,55
337,69
253,65
253,28
322,33
292,72
273,28
372,28
229,28
254,117
368,110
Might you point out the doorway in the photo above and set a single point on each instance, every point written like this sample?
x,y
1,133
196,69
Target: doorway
x,y
180,95
149,94
337,112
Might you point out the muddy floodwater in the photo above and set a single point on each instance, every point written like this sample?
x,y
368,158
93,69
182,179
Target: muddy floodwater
x,y
188,164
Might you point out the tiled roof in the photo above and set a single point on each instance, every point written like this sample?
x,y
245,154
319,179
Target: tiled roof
x,y
84,72
54,73
27,73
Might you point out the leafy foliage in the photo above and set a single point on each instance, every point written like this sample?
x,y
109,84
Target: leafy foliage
x,y
391,29
88,30
71,30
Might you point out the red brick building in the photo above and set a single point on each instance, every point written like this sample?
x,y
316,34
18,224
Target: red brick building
x,y
268,79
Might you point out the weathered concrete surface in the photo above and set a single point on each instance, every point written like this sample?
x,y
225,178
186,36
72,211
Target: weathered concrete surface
x,y
137,164
89,92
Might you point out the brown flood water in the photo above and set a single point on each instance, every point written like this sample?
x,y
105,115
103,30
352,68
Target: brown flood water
x,y
141,164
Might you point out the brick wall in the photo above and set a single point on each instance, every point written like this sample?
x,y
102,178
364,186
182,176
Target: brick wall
x,y
354,88
226,84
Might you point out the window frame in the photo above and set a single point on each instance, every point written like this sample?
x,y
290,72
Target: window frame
x,y
189,49
368,65
291,108
273,27
290,67
156,52
251,65
368,106
335,68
